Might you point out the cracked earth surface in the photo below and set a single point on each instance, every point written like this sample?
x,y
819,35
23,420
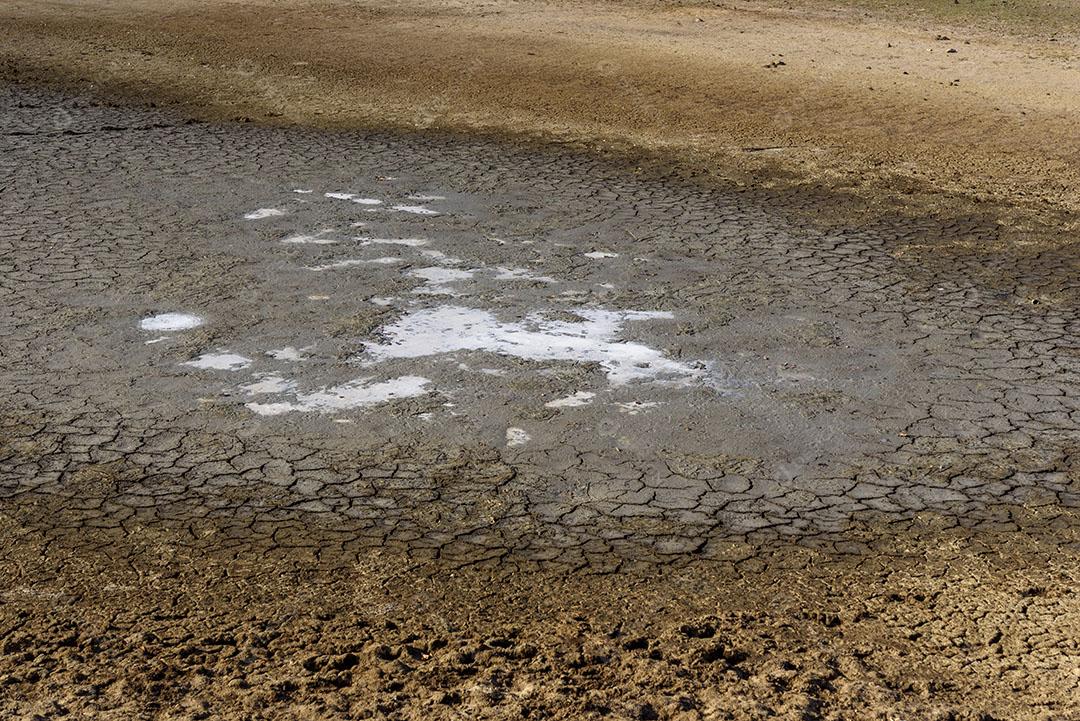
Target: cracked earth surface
x,y
296,352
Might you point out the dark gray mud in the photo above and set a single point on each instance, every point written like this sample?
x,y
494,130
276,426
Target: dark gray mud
x,y
602,365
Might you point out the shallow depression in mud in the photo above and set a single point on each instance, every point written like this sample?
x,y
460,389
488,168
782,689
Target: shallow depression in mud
x,y
598,358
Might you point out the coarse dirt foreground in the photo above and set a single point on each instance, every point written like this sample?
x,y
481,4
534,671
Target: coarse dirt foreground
x,y
754,396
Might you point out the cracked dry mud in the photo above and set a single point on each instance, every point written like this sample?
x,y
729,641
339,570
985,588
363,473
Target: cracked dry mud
x,y
447,428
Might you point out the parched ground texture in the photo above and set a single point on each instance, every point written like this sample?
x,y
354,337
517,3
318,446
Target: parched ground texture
x,y
470,430
914,101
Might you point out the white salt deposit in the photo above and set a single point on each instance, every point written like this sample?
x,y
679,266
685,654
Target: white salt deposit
x,y
268,383
450,329
359,393
166,322
414,209
351,262
219,362
319,238
410,242
520,274
635,407
581,398
288,353
427,198
354,198
439,275
437,279
516,437
601,254
263,213
302,191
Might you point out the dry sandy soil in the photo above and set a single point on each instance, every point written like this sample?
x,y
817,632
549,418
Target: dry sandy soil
x,y
916,103
936,630
962,117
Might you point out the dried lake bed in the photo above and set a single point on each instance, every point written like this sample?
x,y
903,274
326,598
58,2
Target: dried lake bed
x,y
319,349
